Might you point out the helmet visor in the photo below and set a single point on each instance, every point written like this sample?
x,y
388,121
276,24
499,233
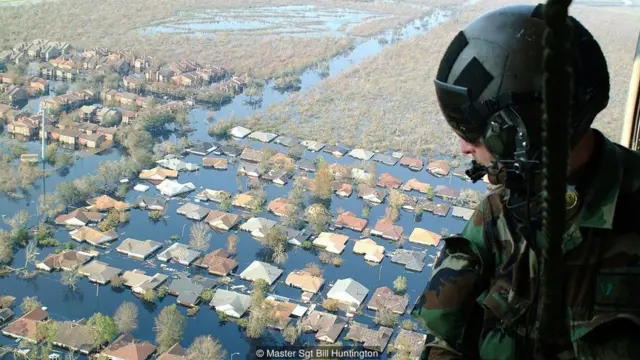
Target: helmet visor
x,y
455,103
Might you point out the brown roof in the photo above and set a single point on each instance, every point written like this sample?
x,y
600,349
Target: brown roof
x,y
217,163
344,189
219,219
281,159
158,173
388,230
349,220
218,262
283,312
415,184
127,347
305,281
176,352
413,163
280,207
25,326
385,297
389,181
439,167
80,214
66,259
105,202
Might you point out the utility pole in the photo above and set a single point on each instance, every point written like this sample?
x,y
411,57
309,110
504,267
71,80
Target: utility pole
x,y
43,155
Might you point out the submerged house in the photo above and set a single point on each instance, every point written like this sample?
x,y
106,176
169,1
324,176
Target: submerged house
x,y
75,336
348,291
179,253
139,249
350,221
240,132
213,195
370,194
79,217
222,221
65,260
152,203
193,211
105,203
157,174
424,237
261,270
126,347
438,168
188,290
389,181
384,297
331,242
140,283
230,303
219,262
371,339
303,280
173,188
99,272
411,259
370,249
417,185
387,230
261,136
215,163
25,327
258,227
93,236
327,327
361,154
461,212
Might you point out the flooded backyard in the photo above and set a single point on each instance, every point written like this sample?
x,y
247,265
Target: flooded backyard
x,y
64,304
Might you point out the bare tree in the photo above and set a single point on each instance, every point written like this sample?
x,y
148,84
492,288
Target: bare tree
x,y
200,237
126,317
232,241
206,347
313,269
70,278
30,254
169,327
29,303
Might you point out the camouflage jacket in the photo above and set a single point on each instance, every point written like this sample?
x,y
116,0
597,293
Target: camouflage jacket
x,y
476,304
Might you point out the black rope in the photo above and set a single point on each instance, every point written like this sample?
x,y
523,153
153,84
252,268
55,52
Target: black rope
x,y
553,335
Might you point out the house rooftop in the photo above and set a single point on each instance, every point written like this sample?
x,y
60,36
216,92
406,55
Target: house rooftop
x,y
261,270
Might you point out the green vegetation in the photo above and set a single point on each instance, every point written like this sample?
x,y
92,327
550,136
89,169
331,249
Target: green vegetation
x,y
103,328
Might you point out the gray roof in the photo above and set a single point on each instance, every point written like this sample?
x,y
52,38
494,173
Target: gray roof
x,y
202,148
250,168
411,259
335,149
261,270
462,212
306,164
193,211
142,248
180,253
185,284
284,140
240,132
239,302
258,224
150,201
299,235
385,159
278,174
177,164
312,145
261,136
345,288
361,154
99,272
230,150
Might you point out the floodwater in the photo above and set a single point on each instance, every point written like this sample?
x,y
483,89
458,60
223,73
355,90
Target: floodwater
x,y
64,304
302,20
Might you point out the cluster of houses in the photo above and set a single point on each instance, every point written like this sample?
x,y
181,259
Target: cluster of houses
x,y
16,90
60,61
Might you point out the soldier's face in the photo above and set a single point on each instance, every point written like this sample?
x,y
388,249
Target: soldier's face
x,y
478,152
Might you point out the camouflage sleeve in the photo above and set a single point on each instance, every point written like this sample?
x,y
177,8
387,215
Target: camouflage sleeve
x,y
449,301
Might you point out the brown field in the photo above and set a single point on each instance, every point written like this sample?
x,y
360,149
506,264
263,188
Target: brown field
x,y
116,24
388,101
